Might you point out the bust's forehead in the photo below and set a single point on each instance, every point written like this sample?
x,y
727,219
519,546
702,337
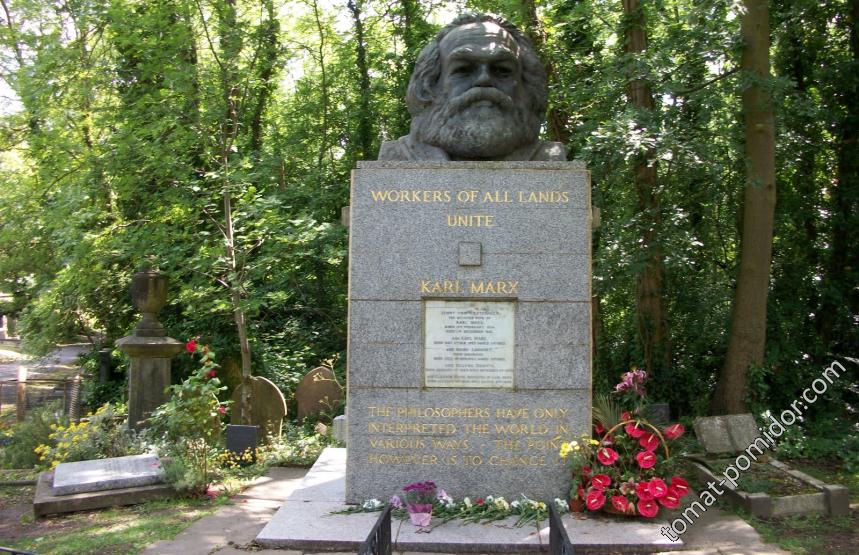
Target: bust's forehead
x,y
485,35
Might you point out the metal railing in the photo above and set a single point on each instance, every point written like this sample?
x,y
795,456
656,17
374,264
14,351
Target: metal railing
x,y
378,541
14,551
559,541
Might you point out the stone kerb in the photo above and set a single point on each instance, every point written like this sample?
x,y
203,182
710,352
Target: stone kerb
x,y
469,325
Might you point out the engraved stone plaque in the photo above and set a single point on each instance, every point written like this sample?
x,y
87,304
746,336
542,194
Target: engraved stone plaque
x,y
468,344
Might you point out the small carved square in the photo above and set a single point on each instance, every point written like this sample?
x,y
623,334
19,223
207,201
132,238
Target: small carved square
x,y
470,254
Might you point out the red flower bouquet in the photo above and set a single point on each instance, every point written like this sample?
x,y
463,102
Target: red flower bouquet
x,y
626,469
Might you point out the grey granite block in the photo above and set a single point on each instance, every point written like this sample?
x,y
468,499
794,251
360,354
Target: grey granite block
x,y
385,321
309,525
613,535
106,474
553,367
382,275
456,437
385,364
553,323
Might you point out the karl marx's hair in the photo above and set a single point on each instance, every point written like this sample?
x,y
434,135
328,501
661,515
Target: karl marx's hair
x,y
424,80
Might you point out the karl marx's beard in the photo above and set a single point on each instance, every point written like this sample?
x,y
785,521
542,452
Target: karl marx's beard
x,y
482,122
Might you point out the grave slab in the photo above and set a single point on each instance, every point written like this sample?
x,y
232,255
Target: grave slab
x,y
305,522
46,503
107,474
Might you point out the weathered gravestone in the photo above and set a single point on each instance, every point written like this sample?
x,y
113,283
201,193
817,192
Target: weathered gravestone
x,y
726,434
469,353
317,392
267,410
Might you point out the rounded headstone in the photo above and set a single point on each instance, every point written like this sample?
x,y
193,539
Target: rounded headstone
x,y
318,392
268,407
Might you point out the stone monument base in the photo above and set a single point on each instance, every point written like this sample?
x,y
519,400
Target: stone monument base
x,y
305,522
46,502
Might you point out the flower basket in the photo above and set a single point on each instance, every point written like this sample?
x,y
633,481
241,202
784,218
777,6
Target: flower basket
x,y
625,470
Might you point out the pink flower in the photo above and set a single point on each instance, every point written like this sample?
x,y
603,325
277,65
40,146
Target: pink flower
x,y
658,488
649,441
646,459
642,490
191,346
632,430
670,500
679,485
212,373
601,481
607,455
595,500
222,409
647,508
620,503
674,431
625,415
599,429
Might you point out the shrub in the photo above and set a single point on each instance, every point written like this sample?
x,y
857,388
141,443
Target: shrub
x,y
21,440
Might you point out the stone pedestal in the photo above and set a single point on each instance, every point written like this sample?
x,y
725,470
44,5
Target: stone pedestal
x,y
149,348
469,353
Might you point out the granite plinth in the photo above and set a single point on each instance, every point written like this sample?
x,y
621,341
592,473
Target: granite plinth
x,y
107,474
305,522
46,502
442,385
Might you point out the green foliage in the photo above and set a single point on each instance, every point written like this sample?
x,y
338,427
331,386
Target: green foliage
x,y
298,446
20,441
101,435
117,153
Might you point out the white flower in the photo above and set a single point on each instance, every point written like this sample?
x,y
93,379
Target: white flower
x,y
444,497
561,505
501,503
515,504
467,502
372,505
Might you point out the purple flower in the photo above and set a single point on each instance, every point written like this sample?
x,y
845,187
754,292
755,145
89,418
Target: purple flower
x,y
395,502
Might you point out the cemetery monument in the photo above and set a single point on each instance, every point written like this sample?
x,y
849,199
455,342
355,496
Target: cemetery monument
x,y
469,355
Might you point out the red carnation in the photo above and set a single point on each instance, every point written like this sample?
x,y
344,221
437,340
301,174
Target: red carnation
x,y
595,500
620,503
649,441
191,346
601,481
648,508
599,429
607,455
674,431
646,459
679,485
625,415
222,410
212,373
480,501
586,471
642,490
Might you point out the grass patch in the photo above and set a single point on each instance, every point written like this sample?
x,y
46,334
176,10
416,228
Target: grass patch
x,y
119,530
811,534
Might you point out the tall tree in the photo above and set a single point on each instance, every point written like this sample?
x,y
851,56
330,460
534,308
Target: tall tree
x,y
747,339
649,280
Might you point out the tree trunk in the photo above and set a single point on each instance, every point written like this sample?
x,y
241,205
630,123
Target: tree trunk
x,y
269,47
364,130
649,304
747,338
